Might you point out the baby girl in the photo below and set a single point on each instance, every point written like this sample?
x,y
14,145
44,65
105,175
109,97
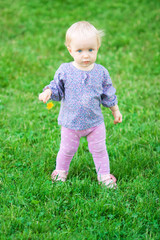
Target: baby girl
x,y
82,86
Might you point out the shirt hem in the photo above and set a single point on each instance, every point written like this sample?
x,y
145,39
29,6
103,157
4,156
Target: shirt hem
x,y
78,128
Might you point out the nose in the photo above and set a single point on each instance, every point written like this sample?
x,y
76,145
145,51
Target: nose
x,y
85,55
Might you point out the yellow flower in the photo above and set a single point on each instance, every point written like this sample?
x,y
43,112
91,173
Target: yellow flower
x,y
50,105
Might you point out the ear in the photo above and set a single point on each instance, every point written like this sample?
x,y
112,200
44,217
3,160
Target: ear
x,y
69,49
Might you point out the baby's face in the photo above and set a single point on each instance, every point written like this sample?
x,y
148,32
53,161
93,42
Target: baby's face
x,y
84,51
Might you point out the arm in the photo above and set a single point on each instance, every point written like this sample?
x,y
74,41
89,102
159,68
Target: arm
x,y
55,90
109,98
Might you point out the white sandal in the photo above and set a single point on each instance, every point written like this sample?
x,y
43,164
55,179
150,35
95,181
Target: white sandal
x,y
59,175
108,180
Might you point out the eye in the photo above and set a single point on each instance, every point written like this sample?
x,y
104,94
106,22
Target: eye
x,y
90,50
79,51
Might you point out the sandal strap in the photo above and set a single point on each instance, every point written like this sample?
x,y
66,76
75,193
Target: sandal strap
x,y
59,175
113,178
108,179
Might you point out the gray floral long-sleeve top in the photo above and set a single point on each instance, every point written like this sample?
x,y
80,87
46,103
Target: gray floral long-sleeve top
x,y
81,94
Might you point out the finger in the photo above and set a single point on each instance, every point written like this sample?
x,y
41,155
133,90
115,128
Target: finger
x,y
40,97
46,99
117,120
120,119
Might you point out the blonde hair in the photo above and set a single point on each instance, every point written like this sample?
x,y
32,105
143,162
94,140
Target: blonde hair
x,y
83,28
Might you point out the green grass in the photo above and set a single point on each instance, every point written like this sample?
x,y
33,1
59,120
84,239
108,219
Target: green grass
x,y
32,48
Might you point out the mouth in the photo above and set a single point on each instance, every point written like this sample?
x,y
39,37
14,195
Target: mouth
x,y
86,62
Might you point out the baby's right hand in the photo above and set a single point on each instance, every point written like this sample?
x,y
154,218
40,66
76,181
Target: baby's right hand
x,y
45,96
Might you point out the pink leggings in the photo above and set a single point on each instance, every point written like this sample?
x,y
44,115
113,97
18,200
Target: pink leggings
x,y
96,137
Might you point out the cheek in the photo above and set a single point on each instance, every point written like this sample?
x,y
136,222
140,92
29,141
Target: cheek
x,y
74,56
94,56
77,57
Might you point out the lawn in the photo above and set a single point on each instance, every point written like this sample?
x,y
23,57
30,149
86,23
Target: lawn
x,y
32,48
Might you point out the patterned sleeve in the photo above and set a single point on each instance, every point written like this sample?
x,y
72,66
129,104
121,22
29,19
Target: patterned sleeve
x,y
108,98
57,85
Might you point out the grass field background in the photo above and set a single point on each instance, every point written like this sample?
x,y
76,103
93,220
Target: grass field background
x,y
32,48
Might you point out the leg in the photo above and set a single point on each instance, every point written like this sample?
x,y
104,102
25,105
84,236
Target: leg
x,y
97,146
68,147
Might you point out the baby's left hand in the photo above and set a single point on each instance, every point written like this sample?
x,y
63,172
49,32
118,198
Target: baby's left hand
x,y
117,116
